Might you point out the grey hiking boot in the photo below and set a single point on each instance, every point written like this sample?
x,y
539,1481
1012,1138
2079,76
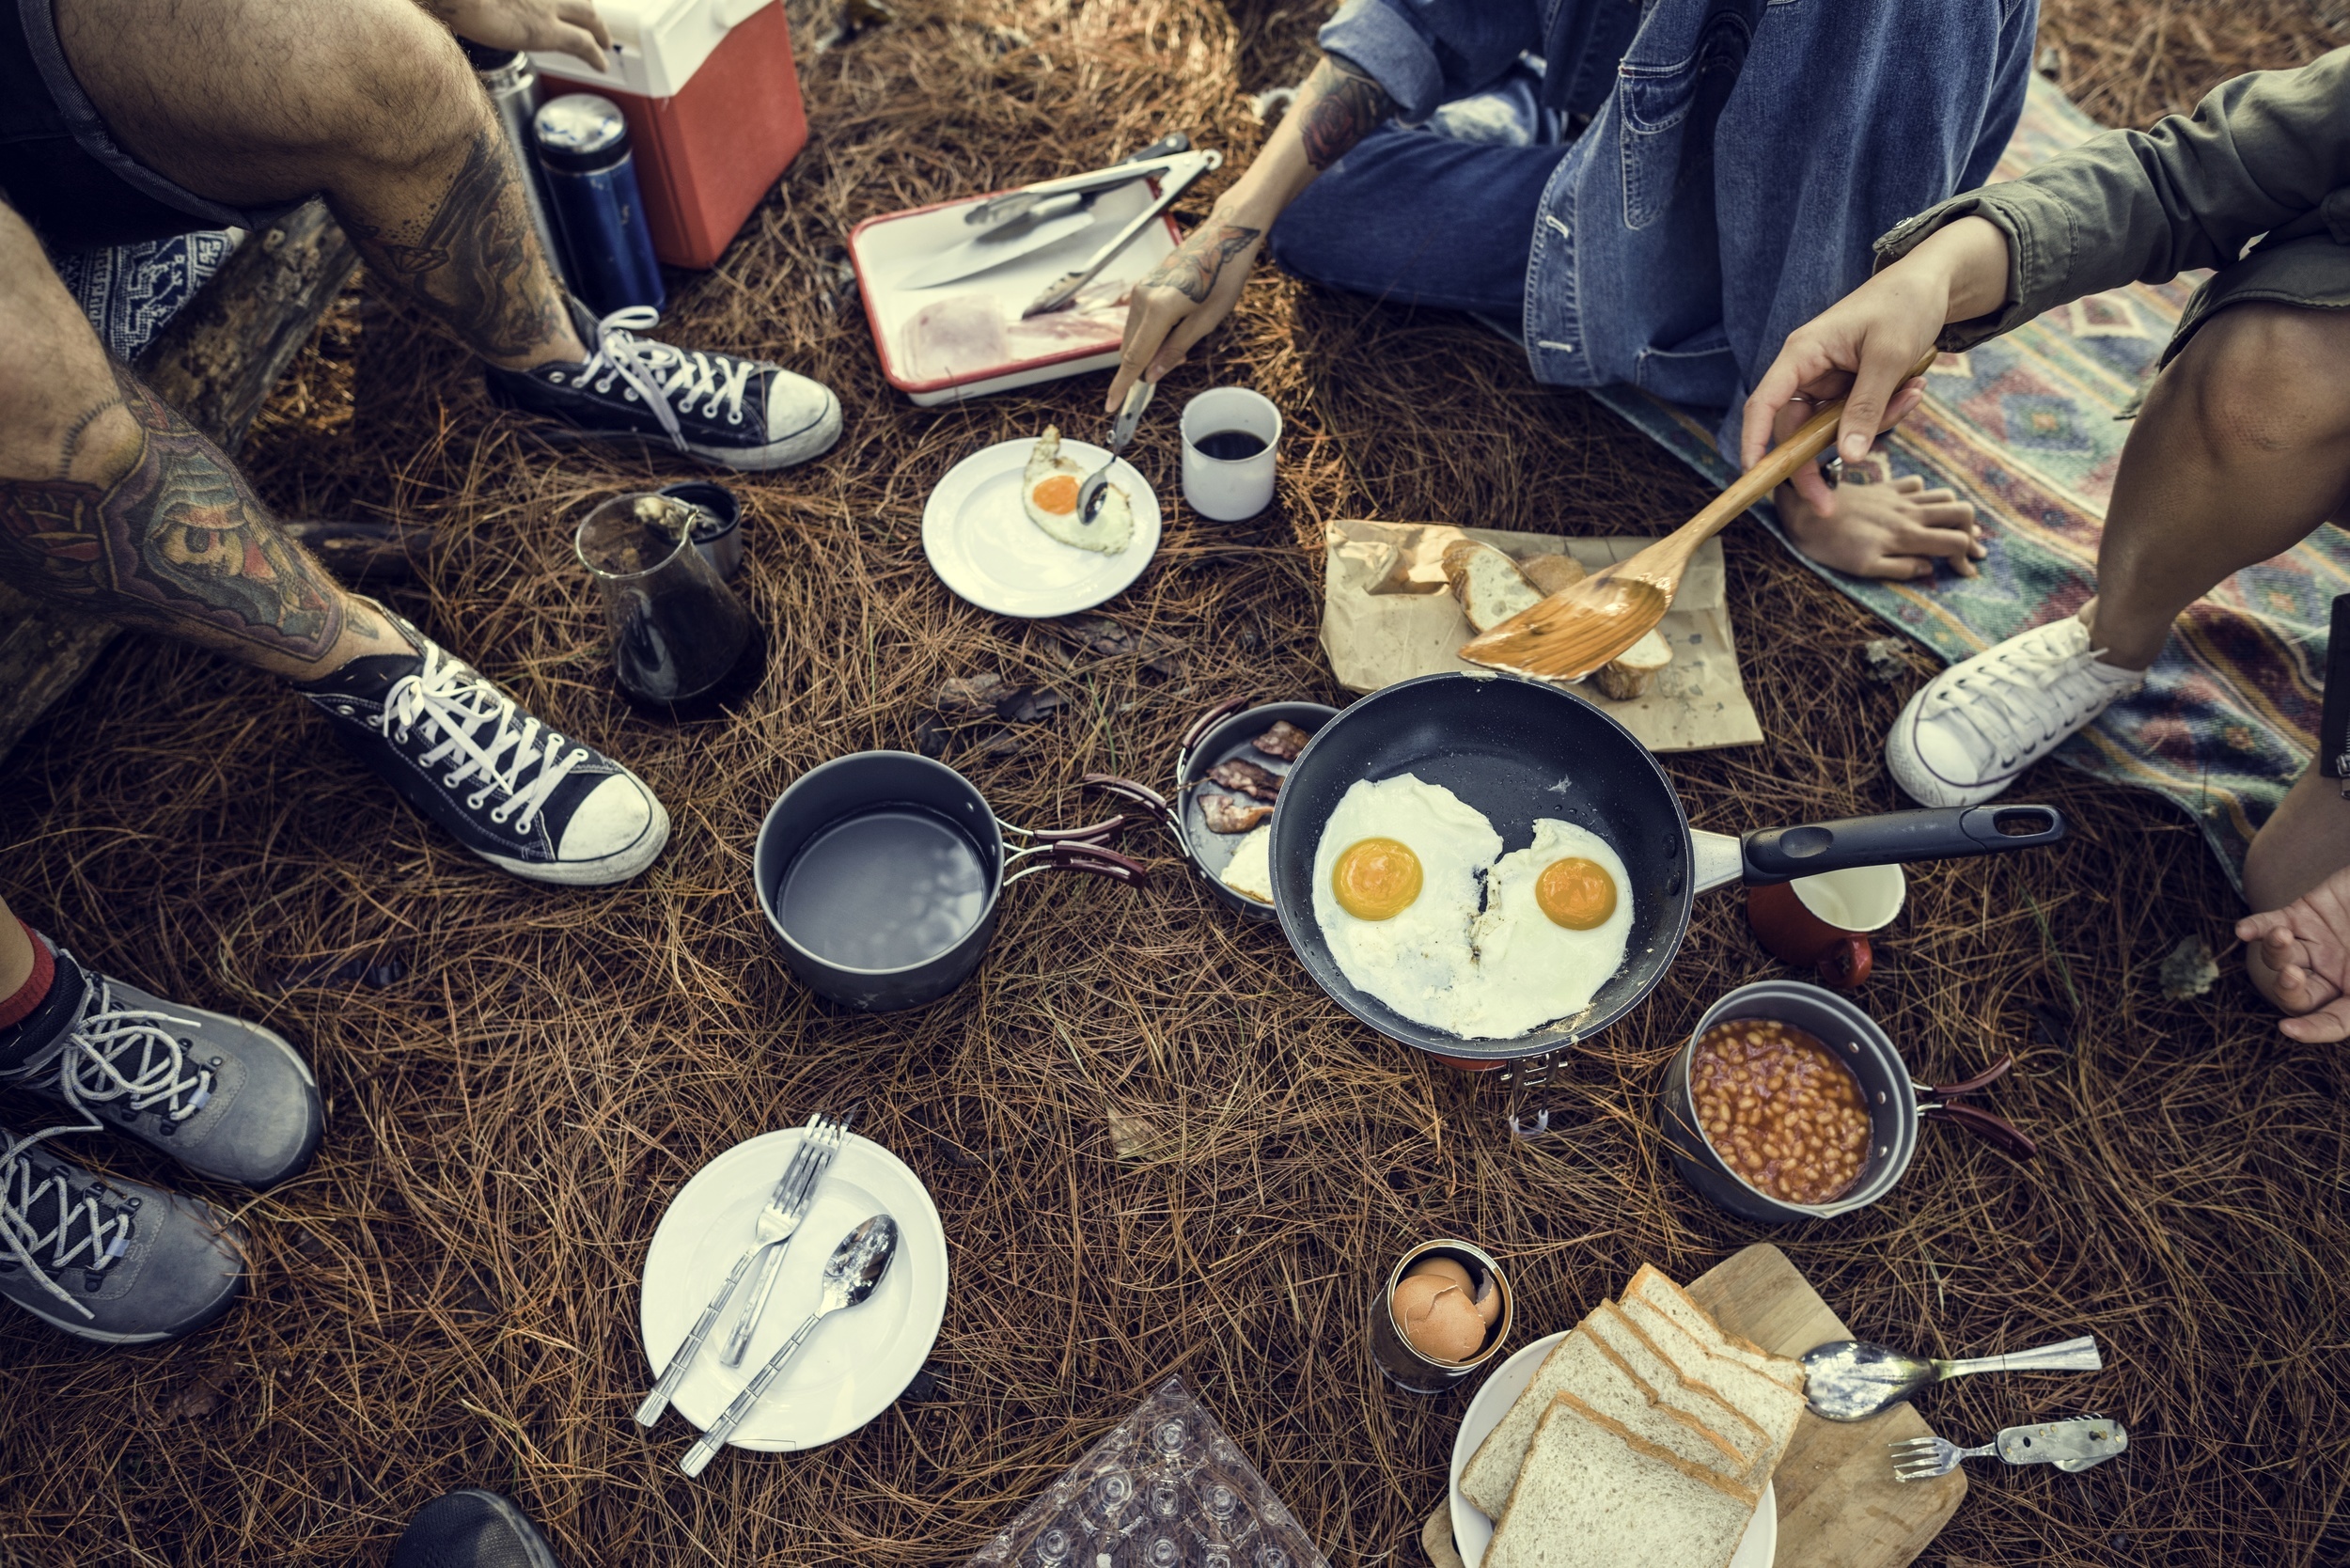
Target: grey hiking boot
x,y
228,1099
472,1529
116,1261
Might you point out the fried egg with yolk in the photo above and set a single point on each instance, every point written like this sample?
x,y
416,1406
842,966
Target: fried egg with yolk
x,y
1558,918
1048,493
1395,887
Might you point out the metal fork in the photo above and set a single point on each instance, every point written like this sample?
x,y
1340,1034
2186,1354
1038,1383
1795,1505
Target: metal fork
x,y
1924,1458
776,1227
791,1196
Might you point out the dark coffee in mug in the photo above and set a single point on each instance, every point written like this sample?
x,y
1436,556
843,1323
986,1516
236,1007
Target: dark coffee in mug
x,y
1230,445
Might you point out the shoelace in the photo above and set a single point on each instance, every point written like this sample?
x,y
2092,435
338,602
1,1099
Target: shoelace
x,y
448,699
103,1238
93,1071
2035,672
719,379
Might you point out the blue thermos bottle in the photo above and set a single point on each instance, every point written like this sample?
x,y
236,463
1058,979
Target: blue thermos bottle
x,y
592,183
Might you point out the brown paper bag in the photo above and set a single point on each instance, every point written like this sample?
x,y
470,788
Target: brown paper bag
x,y
1386,616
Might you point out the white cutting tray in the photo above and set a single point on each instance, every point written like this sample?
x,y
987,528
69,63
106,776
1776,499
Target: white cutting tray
x,y
884,249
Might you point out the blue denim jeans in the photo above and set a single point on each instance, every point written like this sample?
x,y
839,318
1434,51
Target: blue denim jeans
x,y
1739,160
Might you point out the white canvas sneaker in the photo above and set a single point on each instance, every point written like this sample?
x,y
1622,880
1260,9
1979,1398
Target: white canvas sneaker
x,y
1967,734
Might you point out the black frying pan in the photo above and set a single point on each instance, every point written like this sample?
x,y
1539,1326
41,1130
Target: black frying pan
x,y
1518,750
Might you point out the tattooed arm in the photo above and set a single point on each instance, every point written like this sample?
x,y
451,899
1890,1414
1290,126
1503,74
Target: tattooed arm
x,y
1190,293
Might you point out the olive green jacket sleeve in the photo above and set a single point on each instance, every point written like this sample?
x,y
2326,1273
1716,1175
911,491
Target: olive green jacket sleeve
x,y
2267,153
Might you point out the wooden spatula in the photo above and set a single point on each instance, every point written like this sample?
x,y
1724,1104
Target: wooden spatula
x,y
1583,626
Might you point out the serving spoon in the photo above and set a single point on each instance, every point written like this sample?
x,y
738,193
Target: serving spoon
x,y
1851,1380
854,1268
1121,434
1586,624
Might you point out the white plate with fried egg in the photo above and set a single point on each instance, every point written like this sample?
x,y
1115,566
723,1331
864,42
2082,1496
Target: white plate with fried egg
x,y
982,537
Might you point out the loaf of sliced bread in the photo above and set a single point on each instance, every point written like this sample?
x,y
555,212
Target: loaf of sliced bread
x,y
1682,1387
1579,1365
1592,1494
1488,584
1651,1284
1764,1401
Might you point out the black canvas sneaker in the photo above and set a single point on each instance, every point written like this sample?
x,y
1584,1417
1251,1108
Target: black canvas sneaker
x,y
472,1529
739,413
518,794
228,1099
117,1262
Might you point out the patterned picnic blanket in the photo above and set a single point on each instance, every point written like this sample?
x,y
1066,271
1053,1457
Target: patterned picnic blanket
x,y
2027,427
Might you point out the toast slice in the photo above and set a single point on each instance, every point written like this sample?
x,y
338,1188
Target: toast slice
x,y
1684,1388
1592,1494
1651,1284
1488,584
1761,1400
1580,1365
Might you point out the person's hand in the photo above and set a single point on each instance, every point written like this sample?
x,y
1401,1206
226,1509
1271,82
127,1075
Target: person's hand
x,y
2306,949
1183,300
1862,347
565,26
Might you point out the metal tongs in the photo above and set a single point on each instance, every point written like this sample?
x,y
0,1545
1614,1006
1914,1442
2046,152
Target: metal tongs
x,y
1169,160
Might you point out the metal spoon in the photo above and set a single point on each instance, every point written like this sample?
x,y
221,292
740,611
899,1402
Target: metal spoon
x,y
1121,434
851,1274
1851,1380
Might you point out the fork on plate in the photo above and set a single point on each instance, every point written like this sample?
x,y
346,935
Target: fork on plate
x,y
777,1222
787,1205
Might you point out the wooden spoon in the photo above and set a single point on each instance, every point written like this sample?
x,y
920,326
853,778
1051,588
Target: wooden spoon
x,y
1586,624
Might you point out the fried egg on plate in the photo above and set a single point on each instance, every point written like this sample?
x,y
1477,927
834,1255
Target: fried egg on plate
x,y
1396,889
1048,493
1558,918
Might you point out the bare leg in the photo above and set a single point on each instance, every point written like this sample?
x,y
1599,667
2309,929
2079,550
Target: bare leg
x,y
16,952
110,500
254,102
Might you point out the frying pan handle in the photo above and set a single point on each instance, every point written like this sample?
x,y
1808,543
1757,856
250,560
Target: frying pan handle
x,y
1949,833
1200,726
1088,857
1985,1124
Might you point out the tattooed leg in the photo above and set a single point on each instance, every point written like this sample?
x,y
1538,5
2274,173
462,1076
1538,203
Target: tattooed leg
x,y
112,501
255,101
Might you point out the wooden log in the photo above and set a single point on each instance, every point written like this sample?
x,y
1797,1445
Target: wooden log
x,y
215,362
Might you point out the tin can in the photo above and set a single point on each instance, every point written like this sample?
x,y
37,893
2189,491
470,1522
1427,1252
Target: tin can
x,y
590,181
513,88
1406,1368
717,523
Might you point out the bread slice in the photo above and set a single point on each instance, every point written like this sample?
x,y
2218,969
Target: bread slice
x,y
1549,573
1580,1365
1630,673
1656,1287
1594,1495
1488,584
1766,1404
1683,1389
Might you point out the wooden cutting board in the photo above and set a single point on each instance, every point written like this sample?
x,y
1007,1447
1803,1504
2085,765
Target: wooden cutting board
x,y
1838,1505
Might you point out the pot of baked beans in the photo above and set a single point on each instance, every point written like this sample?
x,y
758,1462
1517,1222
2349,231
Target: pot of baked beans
x,y
1790,1103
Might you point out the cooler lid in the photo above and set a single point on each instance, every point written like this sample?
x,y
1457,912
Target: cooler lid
x,y
657,45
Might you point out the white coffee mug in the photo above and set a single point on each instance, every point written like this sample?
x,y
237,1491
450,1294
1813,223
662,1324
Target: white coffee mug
x,y
1229,489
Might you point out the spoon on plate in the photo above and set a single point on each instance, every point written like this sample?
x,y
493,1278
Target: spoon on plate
x,y
1851,1380
1121,434
851,1274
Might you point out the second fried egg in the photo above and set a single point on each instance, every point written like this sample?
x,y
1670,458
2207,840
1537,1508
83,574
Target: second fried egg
x,y
1558,917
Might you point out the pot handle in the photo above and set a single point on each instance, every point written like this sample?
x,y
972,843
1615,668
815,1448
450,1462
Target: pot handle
x,y
1086,857
1949,833
1984,1079
1985,1124
1099,833
1200,726
1128,789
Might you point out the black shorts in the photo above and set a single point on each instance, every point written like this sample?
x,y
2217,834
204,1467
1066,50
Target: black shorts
x,y
59,165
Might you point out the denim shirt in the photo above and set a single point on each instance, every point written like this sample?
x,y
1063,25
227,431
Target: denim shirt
x,y
1736,160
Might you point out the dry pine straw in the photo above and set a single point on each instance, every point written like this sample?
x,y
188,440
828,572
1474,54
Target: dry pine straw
x,y
449,1298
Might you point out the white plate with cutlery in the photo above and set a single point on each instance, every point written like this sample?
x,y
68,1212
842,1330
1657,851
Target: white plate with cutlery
x,y
856,1363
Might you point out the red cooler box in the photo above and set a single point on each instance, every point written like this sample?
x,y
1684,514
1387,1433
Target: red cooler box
x,y
713,111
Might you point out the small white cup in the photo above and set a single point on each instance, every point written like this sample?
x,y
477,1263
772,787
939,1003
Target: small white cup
x,y
1229,489
1859,898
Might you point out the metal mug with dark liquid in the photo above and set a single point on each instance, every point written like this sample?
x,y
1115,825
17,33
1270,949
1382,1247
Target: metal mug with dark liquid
x,y
681,639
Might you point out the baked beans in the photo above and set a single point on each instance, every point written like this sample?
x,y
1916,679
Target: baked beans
x,y
1780,1109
